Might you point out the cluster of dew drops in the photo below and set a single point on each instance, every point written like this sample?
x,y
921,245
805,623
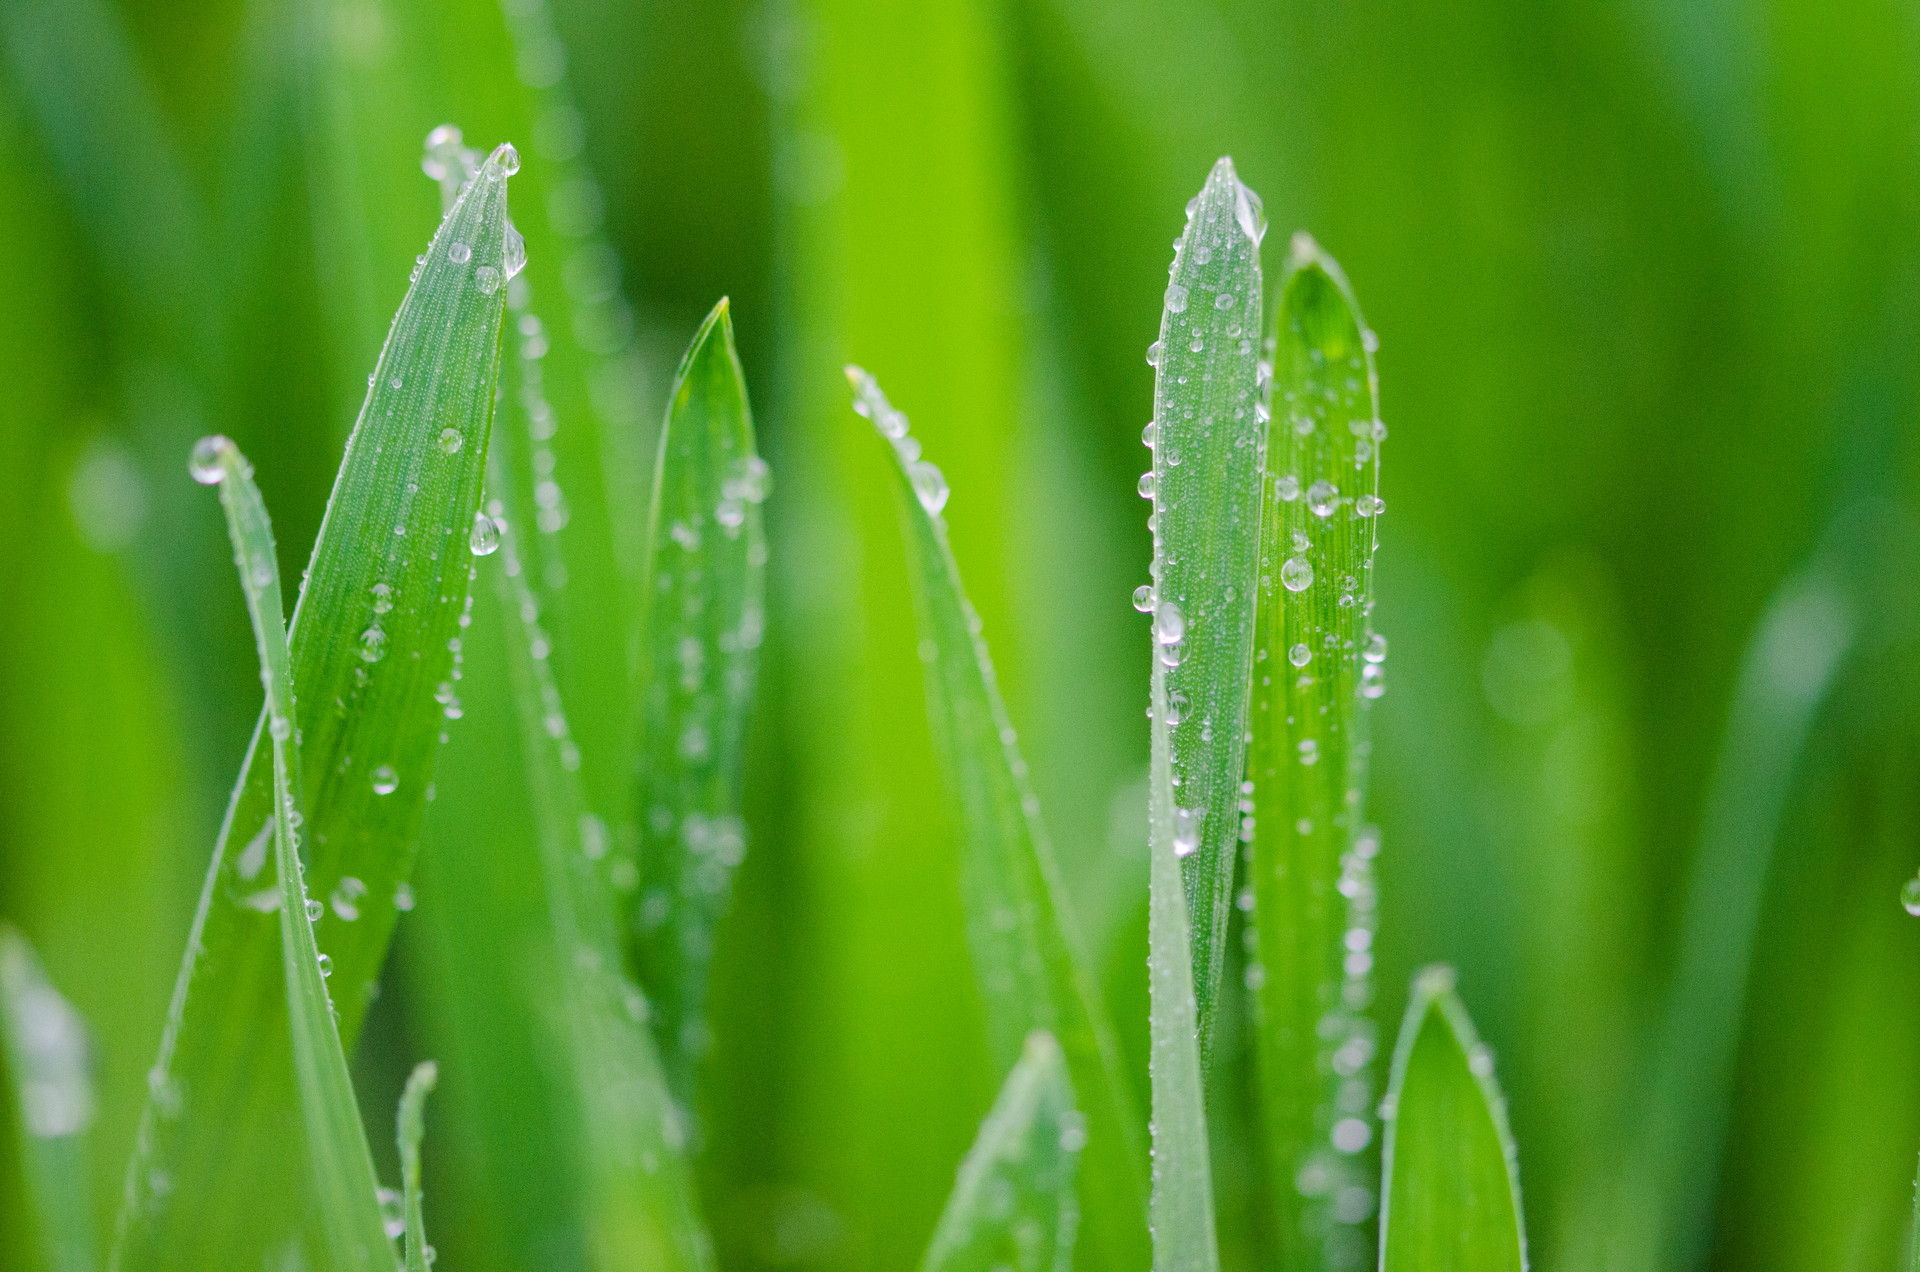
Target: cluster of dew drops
x,y
929,483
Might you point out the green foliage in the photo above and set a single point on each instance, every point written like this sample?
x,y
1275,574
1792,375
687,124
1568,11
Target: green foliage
x,y
410,1127
1013,1205
1450,1199
44,1046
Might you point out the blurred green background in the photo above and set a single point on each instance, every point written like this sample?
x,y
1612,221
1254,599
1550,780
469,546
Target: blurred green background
x,y
1647,282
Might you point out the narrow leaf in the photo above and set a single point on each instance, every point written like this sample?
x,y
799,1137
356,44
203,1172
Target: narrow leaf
x,y
1205,487
373,635
1451,1182
44,1045
342,1179
1316,667
1013,1206
1026,947
410,1129
705,596
639,1204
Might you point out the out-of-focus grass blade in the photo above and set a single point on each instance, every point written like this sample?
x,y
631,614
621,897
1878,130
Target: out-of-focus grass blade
x,y
342,1178
639,1208
1316,664
701,635
410,1129
370,641
1450,1189
1026,946
1205,487
1856,591
1013,1205
44,1045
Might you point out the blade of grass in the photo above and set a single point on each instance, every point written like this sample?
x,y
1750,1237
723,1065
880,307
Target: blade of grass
x,y
1026,946
701,634
410,1128
44,1045
1205,487
370,638
640,1209
1013,1205
1316,667
342,1176
1450,1187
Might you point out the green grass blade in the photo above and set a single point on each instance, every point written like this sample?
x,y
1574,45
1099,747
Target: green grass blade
x,y
342,1178
410,1129
1026,946
1316,667
1451,1181
706,598
44,1046
639,1205
370,640
1013,1206
1205,487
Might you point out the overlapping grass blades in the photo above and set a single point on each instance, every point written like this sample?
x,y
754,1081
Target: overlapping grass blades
x,y
1026,948
1316,666
43,1044
1204,485
625,1131
370,642
1014,1205
1451,1187
409,1129
342,1178
701,633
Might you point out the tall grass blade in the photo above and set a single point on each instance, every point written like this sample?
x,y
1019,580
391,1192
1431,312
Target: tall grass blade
x,y
1026,946
410,1129
44,1045
1450,1190
1316,667
1205,487
1014,1206
639,1205
370,642
701,634
1855,592
342,1177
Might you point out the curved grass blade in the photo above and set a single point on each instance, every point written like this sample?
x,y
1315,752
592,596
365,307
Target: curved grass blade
x,y
342,1176
1026,946
1013,1206
410,1129
1450,1192
639,1208
705,592
370,640
1316,667
1205,487
44,1045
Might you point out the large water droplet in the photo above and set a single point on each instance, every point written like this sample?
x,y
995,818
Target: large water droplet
x,y
1322,497
1248,211
1300,655
1169,624
205,462
326,966
484,540
346,898
1910,896
450,441
1176,298
1186,832
1376,650
314,910
373,645
1176,707
386,780
929,484
460,253
487,279
1146,485
1297,574
1153,353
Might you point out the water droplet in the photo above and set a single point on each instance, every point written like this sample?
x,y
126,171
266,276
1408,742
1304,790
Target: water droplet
x,y
1910,896
1247,210
1287,487
280,727
748,478
1173,655
205,462
929,484
403,897
1146,485
1186,832
1223,301
451,441
1148,434
1322,497
1369,506
514,258
1143,597
1196,344
1373,680
1169,624
487,279
346,898
485,537
326,966
460,253
314,910
1297,574
1376,650
1300,655
1176,707
385,780
373,645
1153,353
392,1213
1309,751
1176,298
